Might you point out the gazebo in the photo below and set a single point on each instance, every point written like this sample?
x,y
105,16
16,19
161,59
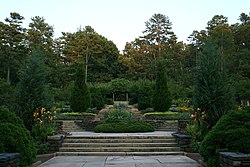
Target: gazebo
x,y
119,88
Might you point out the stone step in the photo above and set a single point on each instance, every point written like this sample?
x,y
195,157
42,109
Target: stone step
x,y
100,144
121,137
118,153
71,126
119,149
166,129
119,145
82,140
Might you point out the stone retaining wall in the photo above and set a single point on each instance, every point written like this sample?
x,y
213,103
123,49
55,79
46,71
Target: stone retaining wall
x,y
183,141
9,159
87,125
55,142
234,159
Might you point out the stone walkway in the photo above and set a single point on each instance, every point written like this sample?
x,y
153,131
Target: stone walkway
x,y
120,161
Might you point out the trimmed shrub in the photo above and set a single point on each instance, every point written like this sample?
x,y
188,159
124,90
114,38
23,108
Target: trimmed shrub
x,y
97,100
80,97
9,117
231,133
15,138
144,102
125,126
161,98
141,92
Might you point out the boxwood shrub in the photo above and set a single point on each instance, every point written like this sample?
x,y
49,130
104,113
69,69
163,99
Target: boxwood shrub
x,y
15,138
123,126
231,134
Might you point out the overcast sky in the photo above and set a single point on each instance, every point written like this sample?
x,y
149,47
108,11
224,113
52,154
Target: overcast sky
x,y
124,20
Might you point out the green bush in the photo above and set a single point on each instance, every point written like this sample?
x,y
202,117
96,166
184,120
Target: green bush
x,y
97,100
144,102
231,133
120,106
6,93
124,126
117,115
141,92
15,138
9,117
161,98
80,96
109,101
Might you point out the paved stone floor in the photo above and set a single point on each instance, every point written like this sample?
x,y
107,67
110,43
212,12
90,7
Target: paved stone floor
x,y
120,161
156,133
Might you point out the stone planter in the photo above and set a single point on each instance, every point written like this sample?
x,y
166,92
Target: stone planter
x,y
55,142
87,125
183,141
233,159
10,159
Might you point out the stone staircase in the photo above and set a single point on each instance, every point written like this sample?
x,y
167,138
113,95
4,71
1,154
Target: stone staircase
x,y
168,125
119,145
71,126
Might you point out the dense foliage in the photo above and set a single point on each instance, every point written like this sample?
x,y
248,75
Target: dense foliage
x,y
161,98
80,96
15,137
31,90
117,115
97,98
120,121
124,126
231,133
6,93
141,92
212,93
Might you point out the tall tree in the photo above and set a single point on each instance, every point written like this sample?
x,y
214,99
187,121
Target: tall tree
x,y
13,46
94,49
161,98
80,96
31,90
159,32
158,39
241,60
212,93
216,21
40,33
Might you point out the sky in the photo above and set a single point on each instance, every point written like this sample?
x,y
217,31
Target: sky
x,y
122,21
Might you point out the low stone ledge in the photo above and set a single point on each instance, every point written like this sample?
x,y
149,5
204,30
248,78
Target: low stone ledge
x,y
234,159
10,159
55,142
56,137
183,141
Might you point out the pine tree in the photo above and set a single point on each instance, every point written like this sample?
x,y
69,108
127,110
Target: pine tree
x,y
80,96
212,93
161,97
31,90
